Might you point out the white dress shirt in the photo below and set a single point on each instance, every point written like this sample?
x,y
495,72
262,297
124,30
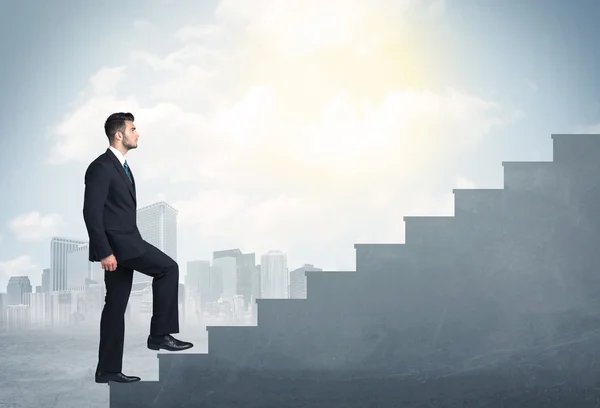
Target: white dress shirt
x,y
119,155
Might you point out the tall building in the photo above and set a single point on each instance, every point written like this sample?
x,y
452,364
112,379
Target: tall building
x,y
245,265
16,289
298,281
228,267
158,225
79,268
46,280
59,248
198,281
274,276
256,283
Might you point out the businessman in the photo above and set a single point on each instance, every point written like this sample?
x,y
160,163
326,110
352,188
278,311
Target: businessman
x,y
109,211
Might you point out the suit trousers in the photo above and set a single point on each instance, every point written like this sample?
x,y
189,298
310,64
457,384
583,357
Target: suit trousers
x,y
165,292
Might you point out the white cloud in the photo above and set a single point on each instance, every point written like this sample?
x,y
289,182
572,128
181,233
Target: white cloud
x,y
74,141
34,226
106,80
20,266
262,149
200,32
463,182
300,28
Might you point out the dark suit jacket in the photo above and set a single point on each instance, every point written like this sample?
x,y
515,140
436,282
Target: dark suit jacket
x,y
109,210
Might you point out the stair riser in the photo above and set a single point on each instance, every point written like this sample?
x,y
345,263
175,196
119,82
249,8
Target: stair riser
x,y
329,285
532,176
576,149
438,231
470,203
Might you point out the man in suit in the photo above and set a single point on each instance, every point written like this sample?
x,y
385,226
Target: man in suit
x,y
109,211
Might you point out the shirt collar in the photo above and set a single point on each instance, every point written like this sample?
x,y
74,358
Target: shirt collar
x,y
118,154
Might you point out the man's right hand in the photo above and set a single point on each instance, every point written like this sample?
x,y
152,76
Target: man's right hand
x,y
109,263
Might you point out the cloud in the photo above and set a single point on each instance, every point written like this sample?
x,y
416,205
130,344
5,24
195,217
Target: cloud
x,y
268,135
200,32
463,182
106,79
20,266
34,226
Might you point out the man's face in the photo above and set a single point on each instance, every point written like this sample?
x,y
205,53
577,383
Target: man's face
x,y
131,136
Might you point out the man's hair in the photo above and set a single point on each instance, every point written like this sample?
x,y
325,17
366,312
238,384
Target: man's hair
x,y
116,123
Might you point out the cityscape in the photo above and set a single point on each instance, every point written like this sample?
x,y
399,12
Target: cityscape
x,y
220,291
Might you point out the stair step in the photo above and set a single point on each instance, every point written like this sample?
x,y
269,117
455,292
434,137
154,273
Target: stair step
x,y
430,230
369,255
275,313
534,176
532,207
173,365
401,261
478,202
325,285
230,343
576,149
138,394
372,259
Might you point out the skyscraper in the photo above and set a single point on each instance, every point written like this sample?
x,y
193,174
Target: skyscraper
x,y
198,281
274,276
46,280
298,281
158,226
79,268
16,289
228,267
245,265
59,248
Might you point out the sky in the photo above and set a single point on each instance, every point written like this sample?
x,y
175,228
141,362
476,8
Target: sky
x,y
302,126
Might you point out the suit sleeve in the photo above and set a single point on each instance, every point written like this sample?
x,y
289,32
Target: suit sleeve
x,y
97,184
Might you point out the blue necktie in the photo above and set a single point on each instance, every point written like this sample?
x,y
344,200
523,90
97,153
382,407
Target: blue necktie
x,y
127,171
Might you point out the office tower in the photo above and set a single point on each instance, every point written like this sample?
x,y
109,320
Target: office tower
x,y
198,282
245,265
79,268
216,282
157,224
228,267
16,289
298,281
274,275
46,280
256,282
59,248
37,307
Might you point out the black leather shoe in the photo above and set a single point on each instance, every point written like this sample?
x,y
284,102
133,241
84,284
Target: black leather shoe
x,y
167,342
103,377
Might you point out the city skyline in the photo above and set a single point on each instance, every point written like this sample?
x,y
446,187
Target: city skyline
x,y
153,230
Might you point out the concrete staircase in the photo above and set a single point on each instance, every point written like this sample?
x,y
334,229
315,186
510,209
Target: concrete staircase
x,y
511,275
